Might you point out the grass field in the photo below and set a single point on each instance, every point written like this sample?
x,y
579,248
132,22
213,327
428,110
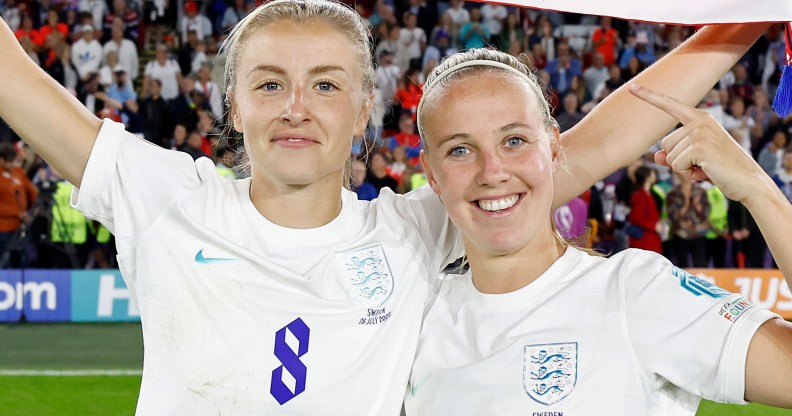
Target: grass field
x,y
86,348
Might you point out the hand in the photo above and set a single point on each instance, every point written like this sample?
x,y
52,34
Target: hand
x,y
702,149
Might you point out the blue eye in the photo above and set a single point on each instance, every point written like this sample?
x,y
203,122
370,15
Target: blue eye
x,y
514,141
270,86
326,86
458,151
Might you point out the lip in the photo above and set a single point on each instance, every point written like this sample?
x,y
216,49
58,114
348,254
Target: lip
x,y
502,213
288,140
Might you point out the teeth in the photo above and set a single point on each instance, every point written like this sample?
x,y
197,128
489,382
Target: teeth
x,y
498,204
295,140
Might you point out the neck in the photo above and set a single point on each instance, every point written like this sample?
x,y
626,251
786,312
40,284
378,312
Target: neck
x,y
304,206
504,273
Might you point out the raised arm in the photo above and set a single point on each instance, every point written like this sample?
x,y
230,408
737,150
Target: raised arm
x,y
43,113
703,149
621,128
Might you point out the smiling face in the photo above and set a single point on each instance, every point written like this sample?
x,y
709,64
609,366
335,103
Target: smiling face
x,y
489,157
298,101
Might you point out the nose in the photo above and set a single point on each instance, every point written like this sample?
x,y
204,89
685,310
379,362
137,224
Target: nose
x,y
296,111
491,170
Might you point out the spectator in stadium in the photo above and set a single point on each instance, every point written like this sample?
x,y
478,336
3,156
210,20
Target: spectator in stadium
x,y
387,78
91,94
773,153
17,194
407,138
545,37
412,42
234,14
438,50
164,69
444,28
719,226
377,174
174,205
500,325
762,113
689,212
644,226
210,89
193,20
54,25
125,49
570,115
179,138
605,40
12,15
615,79
783,176
408,94
398,166
742,86
225,161
107,71
193,145
513,35
63,70
637,48
739,122
474,34
129,13
633,68
123,98
597,74
184,109
493,17
28,31
364,190
563,68
155,112
86,53
459,17
97,9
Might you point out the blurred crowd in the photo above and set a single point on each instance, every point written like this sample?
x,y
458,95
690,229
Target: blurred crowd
x,y
150,65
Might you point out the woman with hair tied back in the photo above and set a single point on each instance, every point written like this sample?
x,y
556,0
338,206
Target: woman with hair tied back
x,y
539,327
282,293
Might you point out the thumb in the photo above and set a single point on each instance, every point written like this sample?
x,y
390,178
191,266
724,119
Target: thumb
x,y
660,158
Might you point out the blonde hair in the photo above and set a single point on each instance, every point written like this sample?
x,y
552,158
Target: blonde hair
x,y
476,61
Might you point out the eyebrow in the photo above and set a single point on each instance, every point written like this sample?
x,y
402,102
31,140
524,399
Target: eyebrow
x,y
463,136
321,69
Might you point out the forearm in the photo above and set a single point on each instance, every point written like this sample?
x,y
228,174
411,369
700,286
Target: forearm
x,y
622,127
773,214
62,131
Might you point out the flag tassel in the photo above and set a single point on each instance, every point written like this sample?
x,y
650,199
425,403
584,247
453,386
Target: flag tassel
x,y
782,103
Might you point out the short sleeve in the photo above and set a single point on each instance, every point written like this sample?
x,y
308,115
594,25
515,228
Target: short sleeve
x,y
129,182
685,330
437,232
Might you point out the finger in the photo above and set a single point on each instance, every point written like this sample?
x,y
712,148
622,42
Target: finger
x,y
698,174
672,139
670,105
660,158
673,155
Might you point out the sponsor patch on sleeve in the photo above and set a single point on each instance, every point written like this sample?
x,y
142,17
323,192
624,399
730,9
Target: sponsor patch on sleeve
x,y
734,309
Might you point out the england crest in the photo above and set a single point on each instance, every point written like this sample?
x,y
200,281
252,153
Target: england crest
x,y
366,275
550,371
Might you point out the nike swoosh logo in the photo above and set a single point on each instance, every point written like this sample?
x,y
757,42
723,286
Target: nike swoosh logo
x,y
414,389
199,258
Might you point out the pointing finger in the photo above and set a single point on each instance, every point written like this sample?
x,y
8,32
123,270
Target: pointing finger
x,y
675,108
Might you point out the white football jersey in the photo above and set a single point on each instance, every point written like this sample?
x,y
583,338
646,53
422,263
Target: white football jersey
x,y
243,317
630,335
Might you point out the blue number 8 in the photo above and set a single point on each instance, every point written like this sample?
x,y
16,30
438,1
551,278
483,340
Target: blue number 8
x,y
290,361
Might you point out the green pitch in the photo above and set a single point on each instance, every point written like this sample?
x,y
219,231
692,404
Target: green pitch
x,y
100,347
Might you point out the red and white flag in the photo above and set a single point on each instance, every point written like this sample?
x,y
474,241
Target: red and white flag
x,y
689,12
